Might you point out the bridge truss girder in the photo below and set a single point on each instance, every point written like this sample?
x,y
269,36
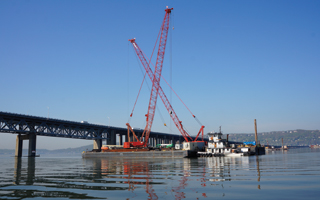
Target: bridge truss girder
x,y
24,124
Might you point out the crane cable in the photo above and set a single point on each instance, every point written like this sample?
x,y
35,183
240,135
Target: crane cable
x,y
163,121
171,33
180,99
144,75
177,96
147,83
138,94
164,80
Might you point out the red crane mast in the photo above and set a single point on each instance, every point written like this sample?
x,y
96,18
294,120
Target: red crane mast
x,y
155,83
157,75
157,90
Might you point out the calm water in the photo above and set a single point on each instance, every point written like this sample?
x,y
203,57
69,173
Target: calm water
x,y
294,174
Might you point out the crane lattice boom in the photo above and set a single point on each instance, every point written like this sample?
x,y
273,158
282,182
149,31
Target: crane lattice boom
x,y
157,74
162,95
156,88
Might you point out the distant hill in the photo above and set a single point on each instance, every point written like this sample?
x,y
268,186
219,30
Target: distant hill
x,y
77,150
297,137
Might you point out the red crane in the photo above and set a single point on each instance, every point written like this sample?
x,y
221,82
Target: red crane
x,y
163,97
155,85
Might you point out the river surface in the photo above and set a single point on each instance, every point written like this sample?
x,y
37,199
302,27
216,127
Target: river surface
x,y
292,174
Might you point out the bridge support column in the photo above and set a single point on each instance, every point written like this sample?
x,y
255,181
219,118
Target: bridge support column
x,y
120,139
32,137
32,144
113,137
19,145
97,144
107,136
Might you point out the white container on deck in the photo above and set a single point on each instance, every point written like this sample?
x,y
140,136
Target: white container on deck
x,y
178,146
193,146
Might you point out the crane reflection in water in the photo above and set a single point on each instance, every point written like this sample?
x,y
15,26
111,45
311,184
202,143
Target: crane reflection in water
x,y
130,178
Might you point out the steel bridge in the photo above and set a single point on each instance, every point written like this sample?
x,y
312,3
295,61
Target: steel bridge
x,y
29,127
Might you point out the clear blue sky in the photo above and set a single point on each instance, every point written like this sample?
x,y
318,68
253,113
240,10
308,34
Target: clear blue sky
x,y
230,61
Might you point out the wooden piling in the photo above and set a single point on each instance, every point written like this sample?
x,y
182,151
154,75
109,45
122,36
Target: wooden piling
x,y
256,133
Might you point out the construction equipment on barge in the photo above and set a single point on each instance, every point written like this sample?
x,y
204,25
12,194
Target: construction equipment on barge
x,y
217,146
143,141
190,145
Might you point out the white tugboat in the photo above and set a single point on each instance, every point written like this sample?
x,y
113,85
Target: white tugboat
x,y
217,146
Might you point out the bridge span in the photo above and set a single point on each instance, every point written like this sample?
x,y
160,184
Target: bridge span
x,y
29,127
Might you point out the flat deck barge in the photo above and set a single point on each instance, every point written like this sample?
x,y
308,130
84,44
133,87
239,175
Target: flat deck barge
x,y
138,154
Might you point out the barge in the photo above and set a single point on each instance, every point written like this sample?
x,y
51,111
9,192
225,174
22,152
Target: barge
x,y
138,154
186,150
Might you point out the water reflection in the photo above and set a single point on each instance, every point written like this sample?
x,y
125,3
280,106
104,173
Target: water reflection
x,y
186,172
17,170
30,173
284,174
130,172
132,178
44,184
258,170
135,173
126,171
221,169
31,170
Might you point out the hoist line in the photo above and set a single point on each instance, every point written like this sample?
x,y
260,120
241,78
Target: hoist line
x,y
175,93
198,121
138,92
161,116
171,33
149,90
128,85
144,74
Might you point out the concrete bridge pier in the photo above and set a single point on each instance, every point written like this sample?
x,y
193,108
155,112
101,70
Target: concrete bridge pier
x,y
32,137
120,139
97,144
32,144
19,146
113,138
